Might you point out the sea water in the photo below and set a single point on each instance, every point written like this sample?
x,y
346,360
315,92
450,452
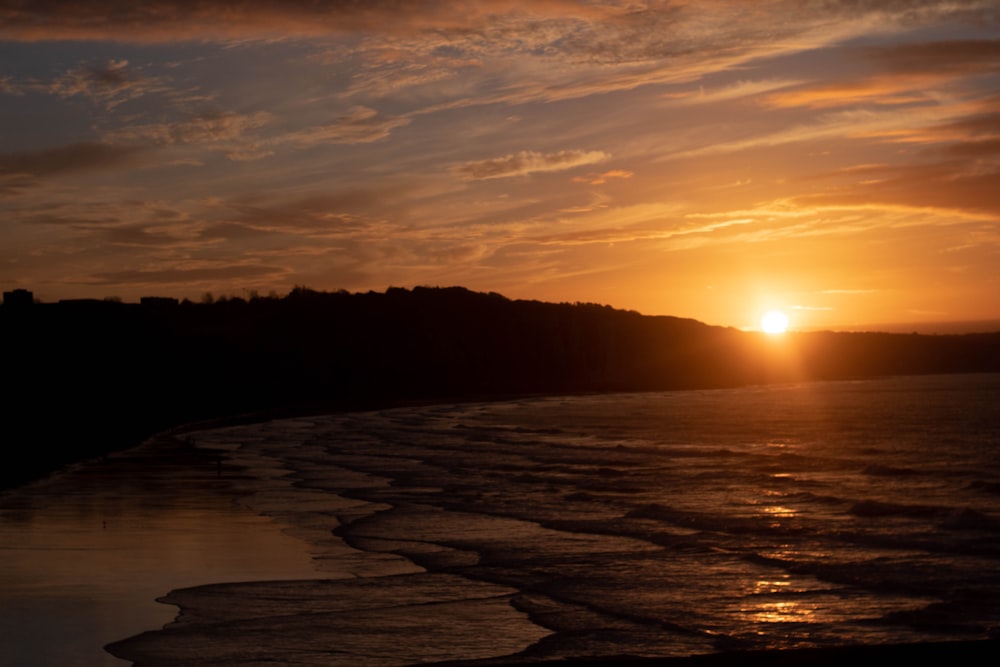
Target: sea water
x,y
656,524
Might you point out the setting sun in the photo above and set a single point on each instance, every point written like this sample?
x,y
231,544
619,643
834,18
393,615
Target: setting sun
x,y
774,322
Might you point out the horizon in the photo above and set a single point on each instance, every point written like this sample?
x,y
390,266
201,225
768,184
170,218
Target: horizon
x,y
925,328
712,161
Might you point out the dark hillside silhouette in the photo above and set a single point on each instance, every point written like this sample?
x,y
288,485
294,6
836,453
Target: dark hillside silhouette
x,y
88,377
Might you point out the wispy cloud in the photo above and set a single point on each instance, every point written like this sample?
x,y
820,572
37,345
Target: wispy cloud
x,y
170,20
501,143
601,179
361,125
594,46
241,135
214,128
110,83
905,74
814,308
734,91
527,162
186,275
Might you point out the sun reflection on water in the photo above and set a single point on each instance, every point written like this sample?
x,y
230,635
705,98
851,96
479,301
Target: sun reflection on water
x,y
780,612
781,510
771,585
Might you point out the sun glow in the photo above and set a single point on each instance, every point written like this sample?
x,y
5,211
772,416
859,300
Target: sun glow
x,y
774,322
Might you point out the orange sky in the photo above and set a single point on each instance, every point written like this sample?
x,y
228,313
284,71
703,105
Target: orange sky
x,y
709,159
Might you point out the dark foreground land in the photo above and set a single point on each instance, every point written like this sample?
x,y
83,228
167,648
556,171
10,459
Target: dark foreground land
x,y
90,377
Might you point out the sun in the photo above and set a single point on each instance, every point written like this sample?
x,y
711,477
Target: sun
x,y
774,322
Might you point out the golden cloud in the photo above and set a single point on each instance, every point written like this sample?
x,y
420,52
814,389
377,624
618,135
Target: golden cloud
x,y
527,162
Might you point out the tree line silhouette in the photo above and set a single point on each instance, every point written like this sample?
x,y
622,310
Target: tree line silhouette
x,y
89,377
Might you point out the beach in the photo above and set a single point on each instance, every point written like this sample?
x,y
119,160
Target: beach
x,y
570,529
87,551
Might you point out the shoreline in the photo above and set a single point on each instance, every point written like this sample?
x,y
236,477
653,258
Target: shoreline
x,y
120,443
90,550
973,652
123,440
985,652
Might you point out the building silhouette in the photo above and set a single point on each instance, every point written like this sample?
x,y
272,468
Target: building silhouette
x,y
18,298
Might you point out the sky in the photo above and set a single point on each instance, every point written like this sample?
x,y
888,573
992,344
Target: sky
x,y
839,161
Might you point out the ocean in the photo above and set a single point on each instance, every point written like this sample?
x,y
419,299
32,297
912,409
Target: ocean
x,y
649,524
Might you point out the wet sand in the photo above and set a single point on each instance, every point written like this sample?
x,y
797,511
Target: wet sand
x,y
85,553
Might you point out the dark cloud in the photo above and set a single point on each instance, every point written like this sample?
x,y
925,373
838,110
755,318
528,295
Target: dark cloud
x,y
138,235
60,216
905,73
975,149
959,185
973,136
15,184
337,212
294,220
73,158
172,20
938,57
976,125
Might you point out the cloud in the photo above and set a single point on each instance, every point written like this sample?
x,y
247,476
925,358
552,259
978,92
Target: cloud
x,y
954,170
882,124
601,179
171,20
731,92
234,231
390,69
356,213
527,162
974,125
219,130
816,308
110,83
361,125
9,87
949,185
78,157
186,276
975,149
239,134
522,49
971,56
885,90
907,73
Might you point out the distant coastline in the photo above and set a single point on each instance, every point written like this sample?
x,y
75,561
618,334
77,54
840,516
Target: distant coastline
x,y
89,377
925,328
